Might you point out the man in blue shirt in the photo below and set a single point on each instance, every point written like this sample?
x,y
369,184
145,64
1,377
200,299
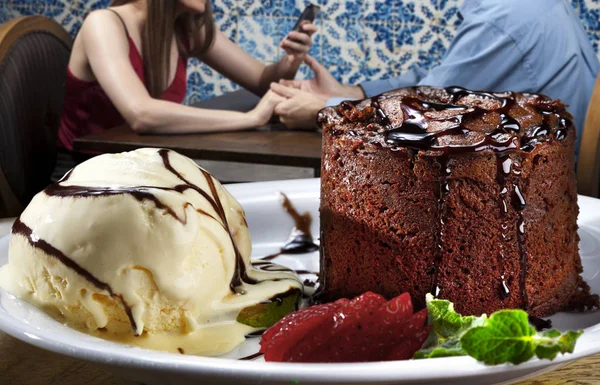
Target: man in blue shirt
x,y
502,45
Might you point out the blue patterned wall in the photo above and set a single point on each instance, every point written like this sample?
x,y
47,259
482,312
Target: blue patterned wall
x,y
357,40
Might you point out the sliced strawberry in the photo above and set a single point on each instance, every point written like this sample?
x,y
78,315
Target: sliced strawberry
x,y
368,335
334,328
395,335
407,349
282,336
297,317
366,328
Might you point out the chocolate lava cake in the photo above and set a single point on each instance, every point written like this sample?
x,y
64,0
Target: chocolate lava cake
x,y
469,195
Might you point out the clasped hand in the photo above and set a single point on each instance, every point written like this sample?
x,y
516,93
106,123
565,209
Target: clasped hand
x,y
297,102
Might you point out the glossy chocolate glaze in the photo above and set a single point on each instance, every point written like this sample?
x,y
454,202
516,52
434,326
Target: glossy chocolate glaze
x,y
413,132
416,134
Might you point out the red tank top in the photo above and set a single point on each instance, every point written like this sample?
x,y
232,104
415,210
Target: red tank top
x,y
87,108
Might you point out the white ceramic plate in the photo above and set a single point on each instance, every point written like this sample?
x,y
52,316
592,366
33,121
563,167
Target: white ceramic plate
x,y
270,227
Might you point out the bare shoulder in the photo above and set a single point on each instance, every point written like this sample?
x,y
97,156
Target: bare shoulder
x,y
102,22
101,33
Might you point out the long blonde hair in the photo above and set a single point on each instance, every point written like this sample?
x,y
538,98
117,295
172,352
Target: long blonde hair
x,y
194,35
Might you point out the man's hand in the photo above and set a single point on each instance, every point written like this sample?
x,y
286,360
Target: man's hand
x,y
323,84
300,108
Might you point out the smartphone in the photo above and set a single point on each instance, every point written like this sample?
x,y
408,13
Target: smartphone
x,y
309,14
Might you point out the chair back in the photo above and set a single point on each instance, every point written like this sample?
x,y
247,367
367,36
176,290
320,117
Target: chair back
x,y
588,164
34,55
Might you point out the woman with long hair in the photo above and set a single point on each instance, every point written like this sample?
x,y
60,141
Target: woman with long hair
x,y
128,65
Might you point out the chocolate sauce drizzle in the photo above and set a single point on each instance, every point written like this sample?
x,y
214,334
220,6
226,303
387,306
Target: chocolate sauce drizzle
x,y
300,240
141,193
279,298
519,204
507,136
269,266
255,334
250,357
271,257
540,324
504,169
240,274
21,228
444,190
505,139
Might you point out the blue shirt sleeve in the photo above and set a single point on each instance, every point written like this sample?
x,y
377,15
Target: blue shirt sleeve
x,y
372,88
335,101
407,79
480,57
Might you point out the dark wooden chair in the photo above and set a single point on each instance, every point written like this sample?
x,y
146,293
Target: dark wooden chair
x,y
588,167
34,54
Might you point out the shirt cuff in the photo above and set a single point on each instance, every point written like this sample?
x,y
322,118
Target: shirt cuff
x,y
376,87
336,100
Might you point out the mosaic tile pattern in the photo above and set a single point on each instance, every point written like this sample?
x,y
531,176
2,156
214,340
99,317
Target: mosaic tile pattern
x,y
358,39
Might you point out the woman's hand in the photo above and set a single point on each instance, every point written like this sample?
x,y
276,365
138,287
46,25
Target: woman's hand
x,y
297,43
261,114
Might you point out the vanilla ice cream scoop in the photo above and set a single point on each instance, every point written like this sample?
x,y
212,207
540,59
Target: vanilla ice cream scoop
x,y
142,247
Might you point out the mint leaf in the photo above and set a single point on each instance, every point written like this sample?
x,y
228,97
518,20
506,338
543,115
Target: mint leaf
x,y
447,322
448,326
508,337
505,337
552,343
449,348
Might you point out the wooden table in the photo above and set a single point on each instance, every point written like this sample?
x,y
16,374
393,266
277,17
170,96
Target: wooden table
x,y
271,144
